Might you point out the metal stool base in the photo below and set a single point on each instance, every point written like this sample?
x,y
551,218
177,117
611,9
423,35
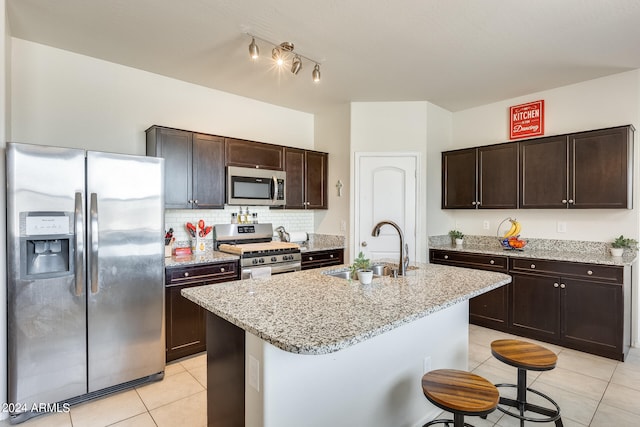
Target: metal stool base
x,y
458,421
552,415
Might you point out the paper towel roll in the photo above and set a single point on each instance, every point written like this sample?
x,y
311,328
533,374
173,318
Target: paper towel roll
x,y
297,236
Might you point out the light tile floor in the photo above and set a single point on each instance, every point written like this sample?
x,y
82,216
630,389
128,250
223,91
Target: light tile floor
x,y
591,391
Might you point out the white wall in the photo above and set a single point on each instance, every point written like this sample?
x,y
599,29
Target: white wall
x,y
5,46
604,102
62,98
332,133
393,126
439,124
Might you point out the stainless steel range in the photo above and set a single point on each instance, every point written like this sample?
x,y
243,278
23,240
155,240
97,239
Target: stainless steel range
x,y
253,243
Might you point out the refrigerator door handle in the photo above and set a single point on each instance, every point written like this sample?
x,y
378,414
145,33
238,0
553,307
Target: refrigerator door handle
x,y
79,241
93,252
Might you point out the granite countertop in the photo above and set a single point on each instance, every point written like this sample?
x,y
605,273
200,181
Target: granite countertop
x,y
308,312
320,246
208,257
575,255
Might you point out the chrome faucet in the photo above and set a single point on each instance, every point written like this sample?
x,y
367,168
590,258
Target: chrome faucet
x,y
404,248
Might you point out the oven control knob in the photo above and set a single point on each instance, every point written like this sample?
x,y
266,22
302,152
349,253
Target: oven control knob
x,y
261,261
255,261
274,259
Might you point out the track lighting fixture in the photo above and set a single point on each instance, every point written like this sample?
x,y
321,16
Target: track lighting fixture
x,y
296,64
282,53
253,49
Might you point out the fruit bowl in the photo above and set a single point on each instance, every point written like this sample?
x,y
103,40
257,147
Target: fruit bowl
x,y
510,239
513,242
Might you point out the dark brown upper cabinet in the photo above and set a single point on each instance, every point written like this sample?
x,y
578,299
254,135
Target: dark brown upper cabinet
x,y
250,154
194,167
577,171
480,178
306,179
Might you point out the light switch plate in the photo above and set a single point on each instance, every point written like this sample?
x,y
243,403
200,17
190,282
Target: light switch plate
x,y
485,225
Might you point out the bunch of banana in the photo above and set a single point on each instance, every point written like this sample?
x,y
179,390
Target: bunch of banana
x,y
514,230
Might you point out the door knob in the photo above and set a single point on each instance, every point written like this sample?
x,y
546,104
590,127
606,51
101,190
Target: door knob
x,y
363,244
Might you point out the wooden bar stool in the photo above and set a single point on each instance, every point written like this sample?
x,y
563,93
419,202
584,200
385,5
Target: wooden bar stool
x,y
526,356
460,392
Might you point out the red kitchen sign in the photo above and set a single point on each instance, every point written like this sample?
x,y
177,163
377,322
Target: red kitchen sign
x,y
527,120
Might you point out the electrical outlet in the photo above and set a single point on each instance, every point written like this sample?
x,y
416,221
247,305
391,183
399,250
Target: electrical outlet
x,y
562,227
485,225
343,225
427,364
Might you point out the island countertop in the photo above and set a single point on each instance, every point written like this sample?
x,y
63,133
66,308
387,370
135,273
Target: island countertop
x,y
308,312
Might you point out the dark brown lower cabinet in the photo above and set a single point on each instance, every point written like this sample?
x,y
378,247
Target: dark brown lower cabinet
x,y
577,305
317,259
185,320
491,308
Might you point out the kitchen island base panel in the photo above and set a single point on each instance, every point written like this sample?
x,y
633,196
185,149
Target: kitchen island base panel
x,y
376,382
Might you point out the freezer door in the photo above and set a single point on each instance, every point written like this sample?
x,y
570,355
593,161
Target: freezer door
x,y
125,268
46,299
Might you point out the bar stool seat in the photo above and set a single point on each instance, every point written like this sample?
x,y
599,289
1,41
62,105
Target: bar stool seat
x,y
459,392
526,356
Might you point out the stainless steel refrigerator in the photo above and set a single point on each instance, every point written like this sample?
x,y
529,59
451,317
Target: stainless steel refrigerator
x,y
85,269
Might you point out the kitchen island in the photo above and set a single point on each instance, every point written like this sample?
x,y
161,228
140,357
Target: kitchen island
x,y
311,349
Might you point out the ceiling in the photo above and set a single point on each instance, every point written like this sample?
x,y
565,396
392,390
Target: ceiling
x,y
454,53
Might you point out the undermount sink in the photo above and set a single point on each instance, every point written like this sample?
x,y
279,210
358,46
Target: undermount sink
x,y
378,270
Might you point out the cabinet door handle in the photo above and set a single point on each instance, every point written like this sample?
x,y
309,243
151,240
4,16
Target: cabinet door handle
x,y
555,285
446,257
186,274
564,201
221,269
478,203
570,201
562,286
589,272
195,201
310,258
492,262
473,203
330,255
533,266
190,201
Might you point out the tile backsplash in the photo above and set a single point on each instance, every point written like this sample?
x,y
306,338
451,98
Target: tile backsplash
x,y
291,220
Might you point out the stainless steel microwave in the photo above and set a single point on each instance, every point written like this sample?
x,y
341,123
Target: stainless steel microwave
x,y
247,186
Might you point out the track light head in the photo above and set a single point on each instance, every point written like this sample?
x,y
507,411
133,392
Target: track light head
x,y
316,74
276,54
254,52
296,64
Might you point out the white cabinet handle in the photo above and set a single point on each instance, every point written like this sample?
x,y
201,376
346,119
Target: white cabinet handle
x,y
564,200
533,266
570,201
473,203
310,258
221,269
446,257
492,262
589,272
330,255
186,274
562,286
555,285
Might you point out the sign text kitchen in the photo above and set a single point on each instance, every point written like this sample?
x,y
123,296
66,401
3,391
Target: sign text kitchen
x,y
526,120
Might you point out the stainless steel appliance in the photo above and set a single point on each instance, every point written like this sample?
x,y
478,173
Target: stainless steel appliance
x,y
85,274
253,243
246,186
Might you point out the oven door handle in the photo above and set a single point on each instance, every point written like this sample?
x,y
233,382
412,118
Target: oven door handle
x,y
286,268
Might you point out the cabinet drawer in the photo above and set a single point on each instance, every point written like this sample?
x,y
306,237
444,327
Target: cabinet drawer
x,y
575,269
202,274
318,259
469,260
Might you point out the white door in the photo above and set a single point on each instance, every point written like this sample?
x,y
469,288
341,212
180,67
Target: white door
x,y
386,190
